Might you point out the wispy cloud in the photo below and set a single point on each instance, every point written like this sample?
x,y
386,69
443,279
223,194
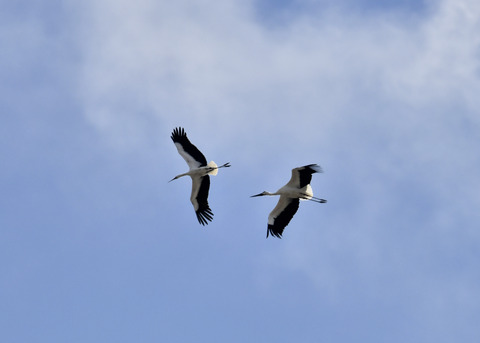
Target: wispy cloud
x,y
366,93
217,65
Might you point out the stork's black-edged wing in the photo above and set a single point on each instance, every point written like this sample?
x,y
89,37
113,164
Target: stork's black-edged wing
x,y
187,150
302,176
281,215
199,199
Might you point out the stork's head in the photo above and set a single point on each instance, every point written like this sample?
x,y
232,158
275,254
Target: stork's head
x,y
176,177
261,194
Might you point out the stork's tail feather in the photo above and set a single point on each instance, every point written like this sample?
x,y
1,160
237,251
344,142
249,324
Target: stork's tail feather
x,y
214,167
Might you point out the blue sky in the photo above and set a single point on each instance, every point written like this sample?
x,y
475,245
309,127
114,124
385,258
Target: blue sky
x,y
97,246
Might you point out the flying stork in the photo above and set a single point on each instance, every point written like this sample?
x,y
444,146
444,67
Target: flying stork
x,y
199,171
298,188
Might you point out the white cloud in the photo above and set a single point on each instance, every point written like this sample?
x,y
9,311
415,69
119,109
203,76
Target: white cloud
x,y
216,65
389,106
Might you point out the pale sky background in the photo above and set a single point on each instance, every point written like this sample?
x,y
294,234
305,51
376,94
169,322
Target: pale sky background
x,y
97,246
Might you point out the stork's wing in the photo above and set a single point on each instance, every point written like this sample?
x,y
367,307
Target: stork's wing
x,y
187,150
302,176
199,198
281,215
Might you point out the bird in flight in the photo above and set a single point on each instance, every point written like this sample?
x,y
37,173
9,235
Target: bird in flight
x,y
298,188
199,171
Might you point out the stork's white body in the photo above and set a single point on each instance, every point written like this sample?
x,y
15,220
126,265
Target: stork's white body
x,y
195,172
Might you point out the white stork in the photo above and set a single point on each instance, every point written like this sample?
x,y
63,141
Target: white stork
x,y
298,188
199,171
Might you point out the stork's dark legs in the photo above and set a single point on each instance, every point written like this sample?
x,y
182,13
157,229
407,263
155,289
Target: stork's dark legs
x,y
320,201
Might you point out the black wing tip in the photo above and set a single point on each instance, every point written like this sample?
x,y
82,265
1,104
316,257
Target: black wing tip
x,y
313,168
204,216
275,231
178,133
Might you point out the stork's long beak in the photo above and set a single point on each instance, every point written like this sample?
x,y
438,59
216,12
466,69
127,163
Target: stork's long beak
x,y
173,179
256,195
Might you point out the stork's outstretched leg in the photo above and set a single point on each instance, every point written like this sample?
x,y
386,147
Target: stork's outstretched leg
x,y
312,198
